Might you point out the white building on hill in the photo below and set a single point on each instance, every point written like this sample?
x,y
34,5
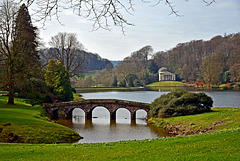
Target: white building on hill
x,y
165,75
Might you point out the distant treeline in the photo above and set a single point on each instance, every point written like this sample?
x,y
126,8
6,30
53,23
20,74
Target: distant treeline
x,y
214,61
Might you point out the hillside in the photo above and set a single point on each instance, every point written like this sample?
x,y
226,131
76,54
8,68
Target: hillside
x,y
214,61
86,61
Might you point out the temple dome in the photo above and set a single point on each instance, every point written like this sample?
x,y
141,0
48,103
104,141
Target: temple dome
x,y
163,69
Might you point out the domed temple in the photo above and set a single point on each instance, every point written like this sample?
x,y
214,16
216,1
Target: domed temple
x,y
165,75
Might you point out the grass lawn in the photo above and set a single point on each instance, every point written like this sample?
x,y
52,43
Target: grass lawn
x,y
24,123
166,84
216,146
3,92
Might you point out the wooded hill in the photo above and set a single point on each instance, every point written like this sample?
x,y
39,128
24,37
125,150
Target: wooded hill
x,y
85,61
213,61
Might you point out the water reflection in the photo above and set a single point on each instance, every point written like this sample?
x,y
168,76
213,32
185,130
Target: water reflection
x,y
101,129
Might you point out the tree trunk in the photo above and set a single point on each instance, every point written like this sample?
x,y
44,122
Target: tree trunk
x,y
11,93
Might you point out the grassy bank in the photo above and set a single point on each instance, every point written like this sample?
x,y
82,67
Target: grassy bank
x,y
217,146
26,124
218,119
104,89
166,84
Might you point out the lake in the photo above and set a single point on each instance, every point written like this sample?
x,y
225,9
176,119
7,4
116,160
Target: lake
x,y
102,129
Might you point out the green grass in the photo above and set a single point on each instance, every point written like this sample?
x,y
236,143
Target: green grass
x,y
102,89
217,146
77,97
23,123
3,92
85,75
166,84
229,116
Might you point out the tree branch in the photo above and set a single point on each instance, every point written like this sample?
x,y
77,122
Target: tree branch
x,y
104,14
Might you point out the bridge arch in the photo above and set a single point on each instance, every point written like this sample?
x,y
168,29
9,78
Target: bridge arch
x,y
77,112
140,112
112,105
126,112
103,110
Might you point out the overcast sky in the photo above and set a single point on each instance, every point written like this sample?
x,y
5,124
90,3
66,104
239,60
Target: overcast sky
x,y
152,26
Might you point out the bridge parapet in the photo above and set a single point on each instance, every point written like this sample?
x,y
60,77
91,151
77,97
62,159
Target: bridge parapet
x,y
89,104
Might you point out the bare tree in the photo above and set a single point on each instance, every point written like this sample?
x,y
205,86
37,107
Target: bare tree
x,y
123,70
212,68
102,13
140,57
8,61
67,49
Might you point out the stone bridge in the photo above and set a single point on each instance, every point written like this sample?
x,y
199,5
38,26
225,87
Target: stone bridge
x,y
65,109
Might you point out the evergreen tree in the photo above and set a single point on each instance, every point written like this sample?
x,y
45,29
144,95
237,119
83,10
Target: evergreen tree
x,y
30,78
57,79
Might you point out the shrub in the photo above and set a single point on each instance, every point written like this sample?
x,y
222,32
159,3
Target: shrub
x,y
58,81
180,103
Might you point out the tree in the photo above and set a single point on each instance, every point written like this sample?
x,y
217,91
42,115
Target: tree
x,y
211,69
57,79
130,80
8,61
139,58
114,83
103,77
152,67
102,13
67,49
235,73
123,70
29,79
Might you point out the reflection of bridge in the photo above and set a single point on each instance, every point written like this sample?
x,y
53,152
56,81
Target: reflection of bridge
x,y
65,109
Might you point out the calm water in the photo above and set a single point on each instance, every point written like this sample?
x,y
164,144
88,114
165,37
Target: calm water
x,y
102,129
220,98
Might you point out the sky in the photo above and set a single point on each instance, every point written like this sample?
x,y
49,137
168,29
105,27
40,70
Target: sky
x,y
153,26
